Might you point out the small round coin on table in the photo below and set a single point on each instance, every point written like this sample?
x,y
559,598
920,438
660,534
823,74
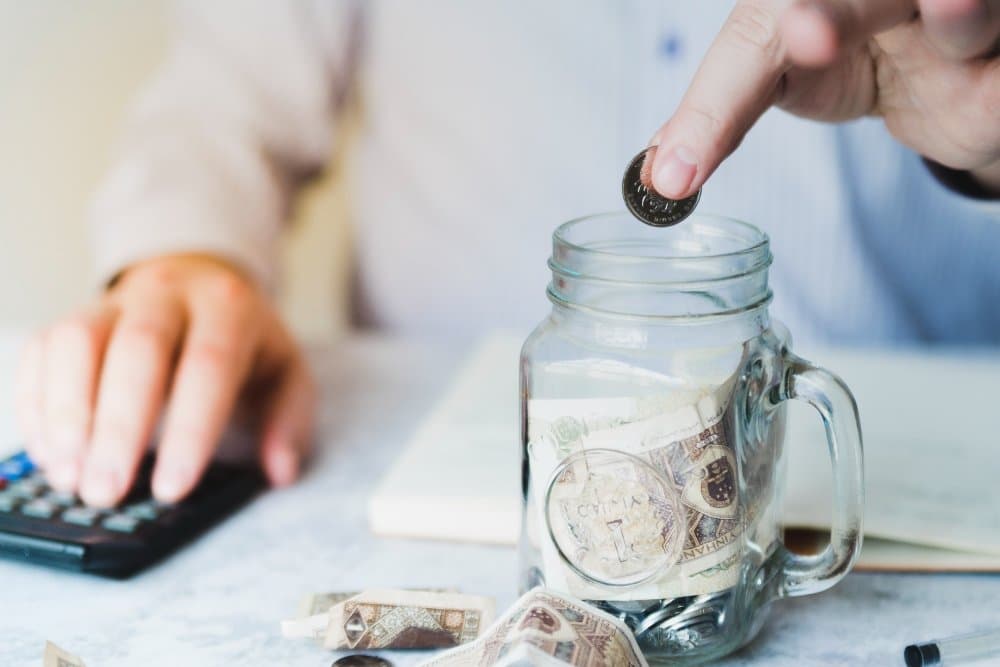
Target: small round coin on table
x,y
361,660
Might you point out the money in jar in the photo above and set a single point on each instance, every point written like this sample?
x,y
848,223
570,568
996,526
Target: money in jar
x,y
652,433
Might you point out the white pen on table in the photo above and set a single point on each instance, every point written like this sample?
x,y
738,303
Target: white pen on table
x,y
953,650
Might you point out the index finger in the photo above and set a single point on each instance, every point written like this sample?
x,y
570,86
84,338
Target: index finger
x,y
214,363
742,74
734,85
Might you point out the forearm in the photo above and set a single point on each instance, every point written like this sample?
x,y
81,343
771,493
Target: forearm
x,y
218,143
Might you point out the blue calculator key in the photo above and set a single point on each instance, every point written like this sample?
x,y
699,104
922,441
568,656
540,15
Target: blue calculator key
x,y
16,467
40,509
121,523
81,516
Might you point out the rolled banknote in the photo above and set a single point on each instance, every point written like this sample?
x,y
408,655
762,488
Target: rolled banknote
x,y
318,603
57,657
314,617
395,618
548,629
308,627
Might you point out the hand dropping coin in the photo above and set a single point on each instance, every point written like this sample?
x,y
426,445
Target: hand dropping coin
x,y
643,200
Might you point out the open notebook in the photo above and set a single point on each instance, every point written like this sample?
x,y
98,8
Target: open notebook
x,y
930,431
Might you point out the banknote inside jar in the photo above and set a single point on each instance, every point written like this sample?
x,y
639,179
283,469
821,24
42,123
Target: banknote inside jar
x,y
637,498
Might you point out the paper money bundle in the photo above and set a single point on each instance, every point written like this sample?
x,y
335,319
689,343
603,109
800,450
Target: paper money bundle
x,y
548,629
392,618
670,457
57,657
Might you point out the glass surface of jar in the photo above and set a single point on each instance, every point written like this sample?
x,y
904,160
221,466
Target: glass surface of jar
x,y
652,420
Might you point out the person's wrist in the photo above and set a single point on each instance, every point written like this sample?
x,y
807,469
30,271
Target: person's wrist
x,y
989,178
180,263
980,183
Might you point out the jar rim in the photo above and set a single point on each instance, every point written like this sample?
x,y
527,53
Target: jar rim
x,y
708,266
760,239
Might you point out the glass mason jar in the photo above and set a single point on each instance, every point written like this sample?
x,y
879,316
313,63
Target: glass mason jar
x,y
653,413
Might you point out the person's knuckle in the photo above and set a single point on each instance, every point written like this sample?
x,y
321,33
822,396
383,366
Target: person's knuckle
x,y
213,357
755,27
717,129
76,336
229,288
145,338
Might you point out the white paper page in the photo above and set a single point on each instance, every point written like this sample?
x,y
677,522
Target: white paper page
x,y
887,555
930,426
459,477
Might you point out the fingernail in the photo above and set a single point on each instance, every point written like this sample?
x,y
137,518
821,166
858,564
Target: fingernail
x,y
284,467
674,176
100,485
169,482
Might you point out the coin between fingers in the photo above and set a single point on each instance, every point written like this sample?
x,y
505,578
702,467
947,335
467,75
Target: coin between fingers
x,y
644,202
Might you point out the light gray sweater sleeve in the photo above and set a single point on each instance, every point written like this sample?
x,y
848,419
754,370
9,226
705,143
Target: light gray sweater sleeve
x,y
240,113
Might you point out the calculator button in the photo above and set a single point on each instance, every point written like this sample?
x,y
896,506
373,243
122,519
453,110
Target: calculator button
x,y
26,488
8,502
81,516
61,498
121,523
146,511
16,467
41,509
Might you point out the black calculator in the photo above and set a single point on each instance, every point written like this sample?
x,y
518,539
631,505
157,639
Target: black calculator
x,y
41,525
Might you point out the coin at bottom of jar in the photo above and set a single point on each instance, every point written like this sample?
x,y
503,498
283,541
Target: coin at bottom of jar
x,y
644,202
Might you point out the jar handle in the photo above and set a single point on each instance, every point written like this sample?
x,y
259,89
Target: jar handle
x,y
827,393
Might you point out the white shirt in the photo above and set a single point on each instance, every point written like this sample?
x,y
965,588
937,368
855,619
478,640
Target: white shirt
x,y
485,125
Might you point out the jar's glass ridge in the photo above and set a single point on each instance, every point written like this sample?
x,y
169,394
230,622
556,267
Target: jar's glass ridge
x,y
710,266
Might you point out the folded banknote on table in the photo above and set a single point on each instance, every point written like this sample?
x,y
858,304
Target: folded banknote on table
x,y
543,628
57,657
392,619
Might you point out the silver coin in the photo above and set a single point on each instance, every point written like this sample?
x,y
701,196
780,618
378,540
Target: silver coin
x,y
644,202
361,660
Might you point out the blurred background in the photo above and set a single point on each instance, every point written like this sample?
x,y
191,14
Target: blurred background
x,y
68,71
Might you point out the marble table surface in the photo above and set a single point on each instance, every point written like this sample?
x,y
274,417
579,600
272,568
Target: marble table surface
x,y
219,601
